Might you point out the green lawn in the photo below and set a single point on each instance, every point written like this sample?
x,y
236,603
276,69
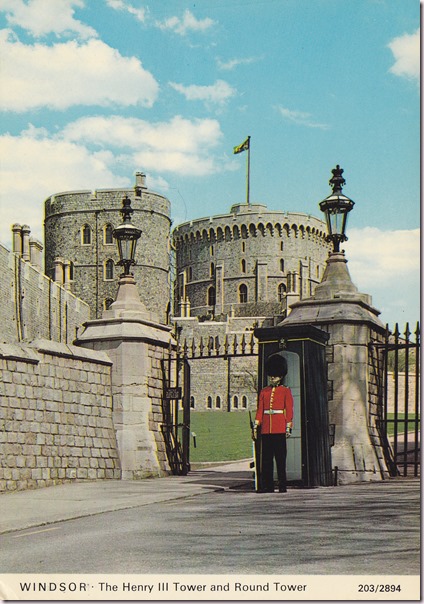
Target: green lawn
x,y
220,436
223,436
401,424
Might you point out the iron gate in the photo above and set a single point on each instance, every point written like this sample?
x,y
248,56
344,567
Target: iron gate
x,y
400,412
176,429
396,362
177,385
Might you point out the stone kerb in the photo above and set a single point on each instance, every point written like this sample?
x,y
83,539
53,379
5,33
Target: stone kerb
x,y
56,416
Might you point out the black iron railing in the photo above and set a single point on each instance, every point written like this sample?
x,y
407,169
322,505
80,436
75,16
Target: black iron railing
x,y
400,413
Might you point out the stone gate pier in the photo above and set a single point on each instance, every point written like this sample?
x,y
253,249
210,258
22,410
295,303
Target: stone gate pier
x,y
136,343
351,321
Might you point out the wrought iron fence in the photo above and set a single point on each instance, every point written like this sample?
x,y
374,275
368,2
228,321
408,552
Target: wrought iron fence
x,y
401,412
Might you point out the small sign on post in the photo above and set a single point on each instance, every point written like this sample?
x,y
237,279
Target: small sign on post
x,y
173,393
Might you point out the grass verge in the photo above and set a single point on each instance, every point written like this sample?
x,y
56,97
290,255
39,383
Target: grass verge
x,y
220,436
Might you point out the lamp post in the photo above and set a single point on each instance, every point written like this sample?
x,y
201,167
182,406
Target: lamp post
x,y
126,235
336,208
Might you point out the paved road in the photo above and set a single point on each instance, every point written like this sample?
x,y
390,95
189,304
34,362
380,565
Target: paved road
x,y
211,522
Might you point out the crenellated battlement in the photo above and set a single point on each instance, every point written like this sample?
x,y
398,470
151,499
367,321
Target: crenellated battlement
x,y
243,223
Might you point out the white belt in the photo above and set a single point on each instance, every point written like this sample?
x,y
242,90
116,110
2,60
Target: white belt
x,y
272,411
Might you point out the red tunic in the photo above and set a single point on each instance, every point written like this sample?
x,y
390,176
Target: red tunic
x,y
278,400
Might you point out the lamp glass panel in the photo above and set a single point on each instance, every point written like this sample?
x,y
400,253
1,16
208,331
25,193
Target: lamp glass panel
x,y
337,221
127,248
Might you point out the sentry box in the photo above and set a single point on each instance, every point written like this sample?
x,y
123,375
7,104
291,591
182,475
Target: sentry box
x,y
309,448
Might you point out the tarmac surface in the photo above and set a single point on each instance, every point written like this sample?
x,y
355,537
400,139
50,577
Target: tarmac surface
x,y
362,528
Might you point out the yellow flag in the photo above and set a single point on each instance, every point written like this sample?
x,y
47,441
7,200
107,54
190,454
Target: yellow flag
x,y
243,147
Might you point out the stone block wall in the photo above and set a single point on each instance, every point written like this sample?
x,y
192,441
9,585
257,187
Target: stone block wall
x,y
33,306
375,394
55,416
354,391
155,393
268,252
68,214
404,381
216,383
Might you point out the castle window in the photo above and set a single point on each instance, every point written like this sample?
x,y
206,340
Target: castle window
x,y
218,402
108,271
243,246
86,235
281,292
71,271
108,302
108,234
243,265
212,251
243,293
209,402
190,273
212,269
192,402
211,296
244,402
235,402
282,246
282,265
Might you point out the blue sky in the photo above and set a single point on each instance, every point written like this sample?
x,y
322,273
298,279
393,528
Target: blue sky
x,y
95,90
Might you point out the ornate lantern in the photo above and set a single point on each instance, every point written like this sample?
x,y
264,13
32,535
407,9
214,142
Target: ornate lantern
x,y
336,208
126,235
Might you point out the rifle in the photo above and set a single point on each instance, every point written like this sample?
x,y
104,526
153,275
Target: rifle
x,y
255,444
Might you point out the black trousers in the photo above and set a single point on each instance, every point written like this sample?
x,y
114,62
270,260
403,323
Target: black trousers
x,y
274,446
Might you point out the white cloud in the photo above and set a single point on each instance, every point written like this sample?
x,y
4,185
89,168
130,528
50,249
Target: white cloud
x,y
139,13
386,264
377,256
43,17
301,118
92,153
186,24
178,134
70,73
177,162
406,52
217,93
233,63
35,166
180,145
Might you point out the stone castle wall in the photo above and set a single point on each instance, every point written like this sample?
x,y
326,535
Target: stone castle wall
x,y
267,252
55,415
219,384
67,214
33,306
279,257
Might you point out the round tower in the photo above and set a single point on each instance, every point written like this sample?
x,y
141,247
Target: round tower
x,y
81,252
250,262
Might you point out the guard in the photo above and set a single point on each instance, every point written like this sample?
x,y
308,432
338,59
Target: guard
x,y
274,421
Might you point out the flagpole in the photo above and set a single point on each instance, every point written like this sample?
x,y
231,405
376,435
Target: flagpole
x,y
248,172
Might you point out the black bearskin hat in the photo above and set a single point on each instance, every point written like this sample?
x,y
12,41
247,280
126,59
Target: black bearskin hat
x,y
276,365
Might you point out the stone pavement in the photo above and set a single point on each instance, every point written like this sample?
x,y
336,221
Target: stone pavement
x,y
212,524
38,507
25,509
